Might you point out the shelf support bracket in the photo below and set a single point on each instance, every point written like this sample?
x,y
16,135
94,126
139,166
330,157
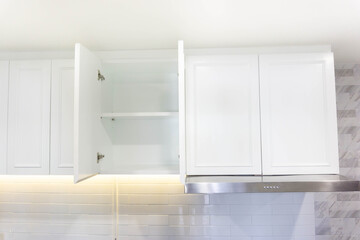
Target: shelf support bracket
x,y
100,76
99,157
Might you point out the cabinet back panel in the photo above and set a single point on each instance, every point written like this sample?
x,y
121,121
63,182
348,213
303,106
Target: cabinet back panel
x,y
140,87
145,97
127,67
142,143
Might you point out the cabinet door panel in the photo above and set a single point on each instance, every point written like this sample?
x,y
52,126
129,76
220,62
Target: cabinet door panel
x,y
298,114
29,117
222,115
4,89
182,120
87,113
62,117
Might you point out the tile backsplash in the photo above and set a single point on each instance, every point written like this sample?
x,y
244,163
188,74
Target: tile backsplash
x,y
54,208
155,208
158,209
148,207
338,214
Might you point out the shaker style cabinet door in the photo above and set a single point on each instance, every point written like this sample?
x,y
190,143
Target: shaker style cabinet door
x,y
62,117
298,114
222,115
29,117
87,113
4,81
182,120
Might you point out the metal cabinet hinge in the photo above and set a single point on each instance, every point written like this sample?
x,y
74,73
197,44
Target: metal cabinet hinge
x,y
99,157
100,76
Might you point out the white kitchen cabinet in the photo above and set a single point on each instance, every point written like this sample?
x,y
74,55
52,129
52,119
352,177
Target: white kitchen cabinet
x,y
298,114
4,81
126,108
232,112
29,117
62,117
269,114
222,115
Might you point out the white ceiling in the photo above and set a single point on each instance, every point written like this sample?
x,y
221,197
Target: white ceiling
x,y
151,24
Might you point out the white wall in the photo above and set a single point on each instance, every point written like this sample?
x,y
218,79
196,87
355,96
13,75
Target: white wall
x,y
152,208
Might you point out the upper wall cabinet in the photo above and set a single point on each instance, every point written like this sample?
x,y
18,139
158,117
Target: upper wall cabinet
x,y
222,115
270,114
126,113
298,114
29,117
62,117
232,112
4,81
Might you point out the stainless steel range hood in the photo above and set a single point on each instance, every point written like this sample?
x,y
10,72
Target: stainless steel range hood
x,y
290,183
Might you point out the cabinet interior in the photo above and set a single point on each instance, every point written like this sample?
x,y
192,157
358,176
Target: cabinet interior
x,y
140,116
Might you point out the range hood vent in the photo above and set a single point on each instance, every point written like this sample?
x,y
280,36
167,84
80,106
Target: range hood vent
x,y
256,184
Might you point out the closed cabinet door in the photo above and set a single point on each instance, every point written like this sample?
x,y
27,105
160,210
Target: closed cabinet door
x,y
222,115
29,117
4,81
298,114
62,117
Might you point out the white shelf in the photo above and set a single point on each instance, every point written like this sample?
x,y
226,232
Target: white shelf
x,y
139,114
145,169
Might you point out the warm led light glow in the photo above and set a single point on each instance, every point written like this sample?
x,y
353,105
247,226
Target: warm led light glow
x,y
136,179
35,178
98,179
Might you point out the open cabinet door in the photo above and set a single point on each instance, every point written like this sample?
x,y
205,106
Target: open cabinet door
x,y
181,86
87,112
